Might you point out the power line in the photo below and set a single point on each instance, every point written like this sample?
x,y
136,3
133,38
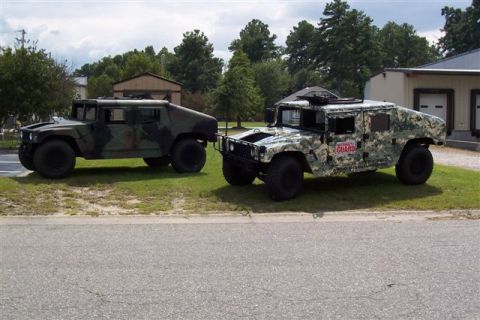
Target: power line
x,y
21,40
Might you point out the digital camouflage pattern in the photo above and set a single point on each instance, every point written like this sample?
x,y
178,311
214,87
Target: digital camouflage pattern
x,y
122,128
326,153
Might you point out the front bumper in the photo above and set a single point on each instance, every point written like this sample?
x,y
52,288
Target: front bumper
x,y
239,150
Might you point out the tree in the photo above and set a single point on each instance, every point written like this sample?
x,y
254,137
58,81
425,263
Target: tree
x,y
237,95
33,85
299,46
402,47
305,78
462,29
194,64
272,79
101,86
139,63
256,42
345,47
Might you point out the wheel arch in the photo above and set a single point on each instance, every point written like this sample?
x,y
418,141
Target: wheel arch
x,y
68,139
420,141
297,155
189,135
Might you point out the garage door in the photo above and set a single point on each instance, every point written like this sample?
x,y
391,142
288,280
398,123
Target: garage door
x,y
477,112
434,104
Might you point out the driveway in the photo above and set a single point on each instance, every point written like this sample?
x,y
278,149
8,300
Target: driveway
x,y
10,166
456,157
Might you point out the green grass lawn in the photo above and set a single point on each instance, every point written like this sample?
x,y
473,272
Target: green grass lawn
x,y
221,124
128,186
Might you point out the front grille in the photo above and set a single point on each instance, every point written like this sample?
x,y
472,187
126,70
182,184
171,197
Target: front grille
x,y
25,135
241,150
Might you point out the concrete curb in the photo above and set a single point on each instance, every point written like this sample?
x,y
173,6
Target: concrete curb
x,y
232,217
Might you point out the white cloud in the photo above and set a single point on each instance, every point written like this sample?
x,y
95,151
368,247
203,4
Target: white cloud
x,y
84,31
432,35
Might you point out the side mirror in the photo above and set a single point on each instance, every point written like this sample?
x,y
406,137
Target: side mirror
x,y
331,125
269,115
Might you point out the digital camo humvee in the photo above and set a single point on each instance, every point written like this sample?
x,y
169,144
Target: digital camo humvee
x,y
326,136
155,130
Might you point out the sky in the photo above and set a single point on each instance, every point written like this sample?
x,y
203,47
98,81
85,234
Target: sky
x,y
84,31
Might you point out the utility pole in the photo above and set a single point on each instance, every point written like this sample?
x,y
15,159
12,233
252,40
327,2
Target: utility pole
x,y
21,40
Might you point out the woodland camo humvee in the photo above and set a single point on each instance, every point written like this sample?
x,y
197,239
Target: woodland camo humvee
x,y
326,136
155,130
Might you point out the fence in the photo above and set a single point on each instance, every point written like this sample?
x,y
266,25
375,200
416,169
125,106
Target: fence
x,y
9,140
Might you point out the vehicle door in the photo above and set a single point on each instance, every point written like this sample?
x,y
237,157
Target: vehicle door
x,y
152,130
344,139
377,139
118,122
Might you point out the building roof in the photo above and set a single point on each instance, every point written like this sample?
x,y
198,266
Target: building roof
x,y
80,81
464,72
467,60
149,74
308,91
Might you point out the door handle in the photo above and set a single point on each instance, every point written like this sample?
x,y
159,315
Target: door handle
x,y
366,136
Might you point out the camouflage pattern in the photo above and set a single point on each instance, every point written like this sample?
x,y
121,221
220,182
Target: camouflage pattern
x,y
135,135
326,153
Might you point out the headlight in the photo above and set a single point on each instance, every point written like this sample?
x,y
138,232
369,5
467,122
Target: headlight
x,y
262,150
30,136
231,147
253,153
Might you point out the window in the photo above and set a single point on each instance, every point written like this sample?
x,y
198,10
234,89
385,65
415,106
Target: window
x,y
380,122
149,115
291,117
114,115
342,125
313,120
91,113
79,112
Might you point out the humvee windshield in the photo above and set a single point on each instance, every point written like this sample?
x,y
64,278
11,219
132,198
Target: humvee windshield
x,y
301,118
84,112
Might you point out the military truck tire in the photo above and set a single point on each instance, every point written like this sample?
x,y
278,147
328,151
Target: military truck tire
x,y
25,159
235,175
284,178
54,159
157,162
414,166
188,156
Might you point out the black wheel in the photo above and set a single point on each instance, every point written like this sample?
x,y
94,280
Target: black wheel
x,y
54,159
236,175
25,158
157,162
284,178
188,156
415,165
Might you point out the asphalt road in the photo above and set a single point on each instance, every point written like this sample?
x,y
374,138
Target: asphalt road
x,y
9,165
310,270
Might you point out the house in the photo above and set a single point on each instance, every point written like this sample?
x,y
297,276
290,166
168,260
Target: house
x,y
80,87
449,89
150,85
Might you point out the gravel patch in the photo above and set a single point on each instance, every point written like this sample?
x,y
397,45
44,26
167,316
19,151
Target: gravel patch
x,y
456,157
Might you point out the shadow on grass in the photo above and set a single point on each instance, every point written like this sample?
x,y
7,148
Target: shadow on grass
x,y
329,194
106,175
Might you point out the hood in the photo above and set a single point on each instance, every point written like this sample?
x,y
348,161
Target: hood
x,y
273,136
56,123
